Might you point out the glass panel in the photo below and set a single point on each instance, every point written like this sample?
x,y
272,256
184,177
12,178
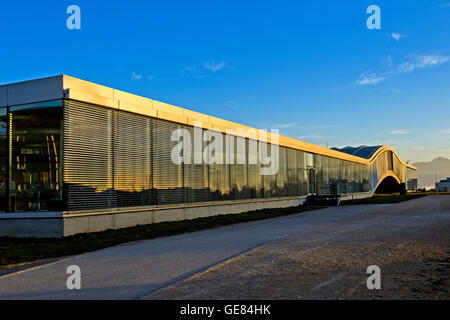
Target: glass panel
x,y
269,181
167,176
35,170
292,171
3,159
196,175
219,175
282,175
239,170
302,172
88,157
132,165
255,179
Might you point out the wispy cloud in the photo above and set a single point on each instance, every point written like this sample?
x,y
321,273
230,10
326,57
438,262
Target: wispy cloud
x,y
414,62
399,132
312,136
369,79
135,76
325,126
284,125
421,61
445,131
389,90
396,36
213,66
193,71
203,70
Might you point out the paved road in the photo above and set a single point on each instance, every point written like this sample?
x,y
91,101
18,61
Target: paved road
x,y
409,241
139,269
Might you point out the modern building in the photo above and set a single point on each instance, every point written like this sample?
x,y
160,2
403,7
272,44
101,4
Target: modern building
x,y
80,157
443,185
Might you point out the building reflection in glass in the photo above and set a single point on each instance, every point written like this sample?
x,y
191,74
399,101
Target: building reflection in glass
x,y
35,182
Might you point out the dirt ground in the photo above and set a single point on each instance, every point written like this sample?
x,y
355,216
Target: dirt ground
x,y
409,241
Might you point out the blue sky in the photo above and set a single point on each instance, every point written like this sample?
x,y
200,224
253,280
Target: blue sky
x,y
311,68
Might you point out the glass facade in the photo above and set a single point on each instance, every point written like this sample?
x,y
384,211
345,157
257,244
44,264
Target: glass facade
x,y
4,160
30,157
336,176
72,156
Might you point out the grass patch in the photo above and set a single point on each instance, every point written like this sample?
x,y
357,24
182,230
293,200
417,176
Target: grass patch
x,y
18,250
382,199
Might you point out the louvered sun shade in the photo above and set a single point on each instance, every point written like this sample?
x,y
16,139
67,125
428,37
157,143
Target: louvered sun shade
x,y
113,158
167,176
132,159
88,157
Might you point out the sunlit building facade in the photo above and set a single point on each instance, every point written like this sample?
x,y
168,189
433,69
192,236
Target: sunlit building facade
x,y
70,148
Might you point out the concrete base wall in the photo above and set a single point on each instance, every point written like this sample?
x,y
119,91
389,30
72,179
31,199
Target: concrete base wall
x,y
82,222
31,227
359,195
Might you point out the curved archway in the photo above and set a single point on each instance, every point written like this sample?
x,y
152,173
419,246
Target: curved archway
x,y
388,185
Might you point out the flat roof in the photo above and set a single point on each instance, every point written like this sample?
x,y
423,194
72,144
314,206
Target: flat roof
x,y
67,87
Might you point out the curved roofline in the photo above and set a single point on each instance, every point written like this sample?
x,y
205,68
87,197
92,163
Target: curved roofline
x,y
388,148
67,87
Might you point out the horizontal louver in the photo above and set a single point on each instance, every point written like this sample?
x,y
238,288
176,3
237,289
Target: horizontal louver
x,y
113,158
167,176
87,157
132,163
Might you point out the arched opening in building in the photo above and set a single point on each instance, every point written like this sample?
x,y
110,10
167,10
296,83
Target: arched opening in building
x,y
388,185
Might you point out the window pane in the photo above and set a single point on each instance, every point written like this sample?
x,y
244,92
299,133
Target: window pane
x,y
132,163
167,176
35,170
3,160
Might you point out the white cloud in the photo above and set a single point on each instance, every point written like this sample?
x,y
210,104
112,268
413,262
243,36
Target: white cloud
x,y
420,62
284,125
214,66
326,126
193,71
135,76
445,131
369,79
312,136
399,131
414,62
203,70
396,36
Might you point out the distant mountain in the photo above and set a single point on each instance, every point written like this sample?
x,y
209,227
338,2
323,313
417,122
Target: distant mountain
x,y
427,171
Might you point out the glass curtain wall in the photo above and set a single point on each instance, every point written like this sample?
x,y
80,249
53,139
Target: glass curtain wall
x,y
35,171
4,159
118,159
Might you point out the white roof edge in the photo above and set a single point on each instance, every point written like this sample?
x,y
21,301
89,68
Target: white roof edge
x,y
36,90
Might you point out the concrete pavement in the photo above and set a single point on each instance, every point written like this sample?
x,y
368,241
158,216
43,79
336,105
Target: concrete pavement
x,y
138,269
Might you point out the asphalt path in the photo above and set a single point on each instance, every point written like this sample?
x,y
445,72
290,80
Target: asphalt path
x,y
140,269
